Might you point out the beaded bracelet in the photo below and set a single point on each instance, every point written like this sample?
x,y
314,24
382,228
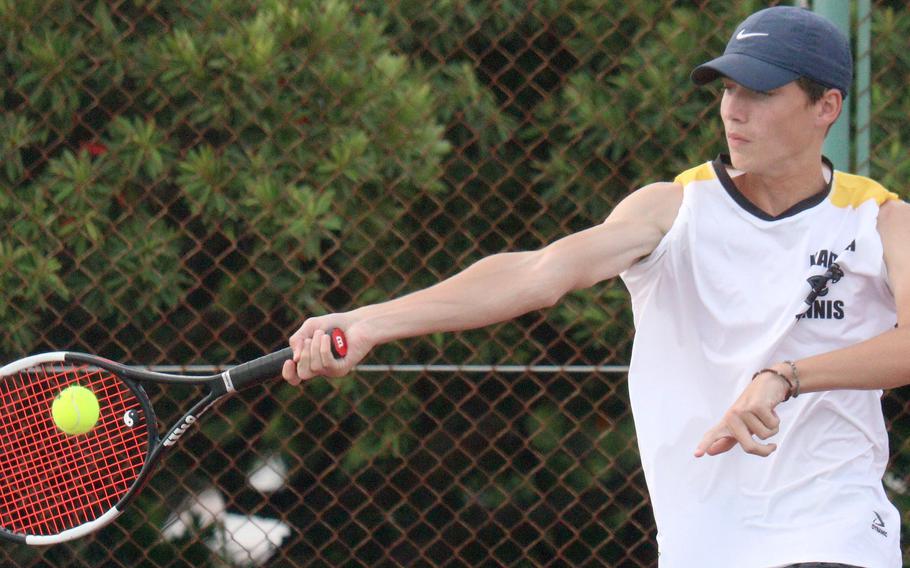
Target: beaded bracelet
x,y
795,377
781,375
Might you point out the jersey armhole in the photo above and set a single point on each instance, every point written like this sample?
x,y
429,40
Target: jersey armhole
x,y
648,263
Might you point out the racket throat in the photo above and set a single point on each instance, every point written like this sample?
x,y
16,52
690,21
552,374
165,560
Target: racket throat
x,y
188,420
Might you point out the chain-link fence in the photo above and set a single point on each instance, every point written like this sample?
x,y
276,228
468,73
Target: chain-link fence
x,y
182,182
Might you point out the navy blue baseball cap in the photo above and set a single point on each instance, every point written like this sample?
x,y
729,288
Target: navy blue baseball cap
x,y
775,46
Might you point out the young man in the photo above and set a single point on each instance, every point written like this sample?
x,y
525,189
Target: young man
x,y
766,290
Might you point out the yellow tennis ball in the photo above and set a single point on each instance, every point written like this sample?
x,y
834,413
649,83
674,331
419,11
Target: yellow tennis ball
x,y
75,410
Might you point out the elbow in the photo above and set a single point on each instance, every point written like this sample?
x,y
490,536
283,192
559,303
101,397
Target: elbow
x,y
548,282
546,299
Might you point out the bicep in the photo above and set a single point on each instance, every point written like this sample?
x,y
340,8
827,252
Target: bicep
x,y
894,228
632,231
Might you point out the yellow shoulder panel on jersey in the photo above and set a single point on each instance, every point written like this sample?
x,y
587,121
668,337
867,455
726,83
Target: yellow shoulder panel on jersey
x,y
703,172
851,190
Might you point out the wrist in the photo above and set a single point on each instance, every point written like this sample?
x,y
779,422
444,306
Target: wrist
x,y
794,376
369,325
779,380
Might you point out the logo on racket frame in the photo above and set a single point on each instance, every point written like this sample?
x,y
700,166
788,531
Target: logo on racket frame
x,y
188,421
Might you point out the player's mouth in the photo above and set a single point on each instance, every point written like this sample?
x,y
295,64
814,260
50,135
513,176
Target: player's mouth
x,y
736,139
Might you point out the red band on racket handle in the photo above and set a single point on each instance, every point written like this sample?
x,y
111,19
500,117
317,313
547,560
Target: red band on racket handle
x,y
339,343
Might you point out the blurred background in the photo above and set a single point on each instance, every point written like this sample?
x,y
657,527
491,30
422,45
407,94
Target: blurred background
x,y
181,183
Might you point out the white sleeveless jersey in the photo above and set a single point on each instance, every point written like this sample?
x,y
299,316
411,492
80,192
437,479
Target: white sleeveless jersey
x,y
717,300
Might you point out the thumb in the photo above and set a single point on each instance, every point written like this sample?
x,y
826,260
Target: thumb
x,y
717,440
722,445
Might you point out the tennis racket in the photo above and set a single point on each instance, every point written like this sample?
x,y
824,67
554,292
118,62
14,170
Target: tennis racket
x,y
56,487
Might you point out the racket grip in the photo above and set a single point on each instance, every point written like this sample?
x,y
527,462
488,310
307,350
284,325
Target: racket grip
x,y
269,366
261,369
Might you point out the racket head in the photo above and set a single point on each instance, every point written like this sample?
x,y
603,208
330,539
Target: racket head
x,y
56,487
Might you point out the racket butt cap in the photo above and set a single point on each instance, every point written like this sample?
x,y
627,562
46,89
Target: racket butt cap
x,y
339,343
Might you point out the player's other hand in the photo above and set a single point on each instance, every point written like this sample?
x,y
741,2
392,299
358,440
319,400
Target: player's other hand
x,y
312,349
751,416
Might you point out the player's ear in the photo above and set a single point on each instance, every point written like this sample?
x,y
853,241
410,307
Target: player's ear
x,y
829,107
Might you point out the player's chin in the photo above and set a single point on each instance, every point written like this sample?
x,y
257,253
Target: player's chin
x,y
740,160
753,161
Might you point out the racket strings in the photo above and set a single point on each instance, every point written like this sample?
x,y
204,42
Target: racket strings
x,y
50,481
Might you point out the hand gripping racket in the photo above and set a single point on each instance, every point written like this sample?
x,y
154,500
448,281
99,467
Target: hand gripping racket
x,y
56,487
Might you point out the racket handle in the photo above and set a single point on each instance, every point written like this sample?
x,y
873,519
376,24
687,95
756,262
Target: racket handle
x,y
269,366
261,369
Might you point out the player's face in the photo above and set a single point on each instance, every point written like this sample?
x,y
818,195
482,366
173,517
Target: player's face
x,y
765,131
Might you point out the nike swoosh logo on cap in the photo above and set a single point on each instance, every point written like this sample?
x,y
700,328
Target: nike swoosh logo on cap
x,y
743,35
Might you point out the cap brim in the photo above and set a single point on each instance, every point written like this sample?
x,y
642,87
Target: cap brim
x,y
749,72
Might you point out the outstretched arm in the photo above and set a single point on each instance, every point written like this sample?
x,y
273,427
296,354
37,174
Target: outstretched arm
x,y
877,363
496,288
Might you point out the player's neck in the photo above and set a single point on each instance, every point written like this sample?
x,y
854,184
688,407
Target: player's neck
x,y
780,190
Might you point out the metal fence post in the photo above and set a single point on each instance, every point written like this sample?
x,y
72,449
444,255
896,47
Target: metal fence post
x,y
862,120
837,145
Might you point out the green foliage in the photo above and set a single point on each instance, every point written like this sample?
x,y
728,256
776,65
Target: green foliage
x,y
890,164
890,139
27,277
258,130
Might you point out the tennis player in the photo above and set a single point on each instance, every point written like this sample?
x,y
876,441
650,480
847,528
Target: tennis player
x,y
766,288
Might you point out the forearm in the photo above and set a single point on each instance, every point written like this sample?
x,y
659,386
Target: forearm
x,y
882,362
494,289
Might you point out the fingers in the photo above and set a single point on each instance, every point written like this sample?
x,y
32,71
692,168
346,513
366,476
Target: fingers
x,y
289,372
313,357
761,424
744,436
721,446
297,340
739,429
715,441
751,416
297,369
325,352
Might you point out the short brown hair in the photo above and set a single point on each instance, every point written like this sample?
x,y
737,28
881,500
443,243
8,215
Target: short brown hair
x,y
813,89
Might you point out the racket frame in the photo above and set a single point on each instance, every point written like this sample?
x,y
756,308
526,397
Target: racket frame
x,y
219,386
